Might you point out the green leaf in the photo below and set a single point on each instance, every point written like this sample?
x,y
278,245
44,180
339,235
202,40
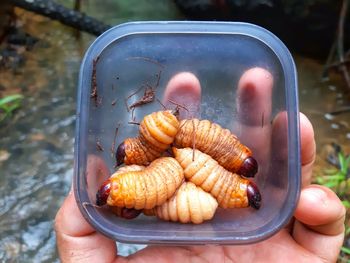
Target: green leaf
x,y
320,180
347,231
346,203
337,177
10,99
330,171
346,164
8,104
346,250
14,107
331,184
343,163
348,159
340,177
341,160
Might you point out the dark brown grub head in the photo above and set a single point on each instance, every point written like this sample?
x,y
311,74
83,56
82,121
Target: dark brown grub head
x,y
120,154
103,193
249,167
129,213
254,196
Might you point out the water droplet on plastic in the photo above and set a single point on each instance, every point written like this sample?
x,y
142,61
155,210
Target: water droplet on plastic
x,y
335,126
332,87
329,116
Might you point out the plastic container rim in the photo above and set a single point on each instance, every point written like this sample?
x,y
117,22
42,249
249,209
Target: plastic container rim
x,y
191,27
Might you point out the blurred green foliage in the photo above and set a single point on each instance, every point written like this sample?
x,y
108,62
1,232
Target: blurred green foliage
x,y
338,179
9,104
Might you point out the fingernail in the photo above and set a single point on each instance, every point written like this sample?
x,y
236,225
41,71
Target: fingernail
x,y
317,195
249,92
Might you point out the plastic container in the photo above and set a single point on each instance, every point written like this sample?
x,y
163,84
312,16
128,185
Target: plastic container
x,y
126,57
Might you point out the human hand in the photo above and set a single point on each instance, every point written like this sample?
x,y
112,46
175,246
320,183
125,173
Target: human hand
x,y
315,235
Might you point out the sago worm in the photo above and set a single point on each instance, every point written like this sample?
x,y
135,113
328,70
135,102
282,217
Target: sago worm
x,y
219,143
229,189
157,132
190,204
127,213
147,188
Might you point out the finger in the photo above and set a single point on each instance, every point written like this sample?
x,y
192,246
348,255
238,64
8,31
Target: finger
x,y
76,240
279,151
253,127
308,149
279,148
254,97
319,225
184,88
97,173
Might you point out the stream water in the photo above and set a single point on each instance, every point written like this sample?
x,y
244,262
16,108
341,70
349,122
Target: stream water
x,y
36,146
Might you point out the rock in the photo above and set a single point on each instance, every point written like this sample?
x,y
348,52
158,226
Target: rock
x,y
4,155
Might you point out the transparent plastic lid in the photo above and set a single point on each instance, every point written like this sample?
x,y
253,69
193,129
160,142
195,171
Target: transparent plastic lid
x,y
132,56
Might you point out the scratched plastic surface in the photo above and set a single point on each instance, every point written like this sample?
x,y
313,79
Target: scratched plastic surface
x,y
133,55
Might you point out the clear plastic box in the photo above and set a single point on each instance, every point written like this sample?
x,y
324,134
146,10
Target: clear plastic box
x,y
125,57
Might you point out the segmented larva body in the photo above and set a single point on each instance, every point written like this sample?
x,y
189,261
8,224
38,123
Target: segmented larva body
x,y
157,132
128,168
104,190
147,188
219,143
127,213
229,189
190,204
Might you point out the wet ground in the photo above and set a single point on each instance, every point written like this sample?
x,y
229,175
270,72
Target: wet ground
x,y
326,103
36,146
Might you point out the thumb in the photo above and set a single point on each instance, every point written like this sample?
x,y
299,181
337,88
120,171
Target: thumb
x,y
319,225
77,241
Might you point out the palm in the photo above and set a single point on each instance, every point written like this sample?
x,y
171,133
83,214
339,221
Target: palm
x,y
280,246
